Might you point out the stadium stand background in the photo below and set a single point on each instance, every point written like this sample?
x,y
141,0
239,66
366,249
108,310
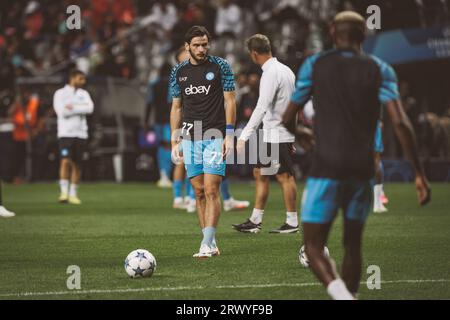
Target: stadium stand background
x,y
124,45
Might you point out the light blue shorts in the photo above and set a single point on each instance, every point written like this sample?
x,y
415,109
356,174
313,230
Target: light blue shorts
x,y
323,197
203,156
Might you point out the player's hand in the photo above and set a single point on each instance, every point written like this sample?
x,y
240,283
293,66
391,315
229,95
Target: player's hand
x,y
305,138
423,190
177,153
292,148
240,147
227,146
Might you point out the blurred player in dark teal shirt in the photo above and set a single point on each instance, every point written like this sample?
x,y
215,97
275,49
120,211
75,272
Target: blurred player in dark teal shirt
x,y
347,88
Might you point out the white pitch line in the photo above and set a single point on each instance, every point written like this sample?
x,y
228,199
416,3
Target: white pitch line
x,y
245,286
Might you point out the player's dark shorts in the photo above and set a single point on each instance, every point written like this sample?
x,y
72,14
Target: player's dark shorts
x,y
280,162
323,197
73,149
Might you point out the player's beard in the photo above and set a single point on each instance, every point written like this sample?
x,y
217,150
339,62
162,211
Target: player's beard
x,y
198,60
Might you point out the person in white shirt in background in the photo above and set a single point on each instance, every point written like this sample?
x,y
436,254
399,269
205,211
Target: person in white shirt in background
x,y
229,19
72,104
276,88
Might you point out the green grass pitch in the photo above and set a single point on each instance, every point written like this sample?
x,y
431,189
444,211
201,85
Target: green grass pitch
x,y
411,245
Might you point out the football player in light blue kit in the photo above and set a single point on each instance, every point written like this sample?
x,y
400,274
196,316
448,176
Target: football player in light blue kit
x,y
189,202
204,108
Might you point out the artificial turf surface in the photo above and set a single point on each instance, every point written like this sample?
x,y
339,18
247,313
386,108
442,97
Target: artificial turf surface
x,y
408,243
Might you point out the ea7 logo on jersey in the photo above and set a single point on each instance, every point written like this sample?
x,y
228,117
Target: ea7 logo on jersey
x,y
182,78
195,90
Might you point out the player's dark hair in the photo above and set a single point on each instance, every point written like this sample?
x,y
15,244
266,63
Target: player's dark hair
x,y
350,31
196,31
76,72
259,43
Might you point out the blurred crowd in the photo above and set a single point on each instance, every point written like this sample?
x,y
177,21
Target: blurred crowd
x,y
131,38
136,40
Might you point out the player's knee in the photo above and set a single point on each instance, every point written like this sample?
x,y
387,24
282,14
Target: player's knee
x,y
212,193
260,178
200,193
285,179
313,250
282,178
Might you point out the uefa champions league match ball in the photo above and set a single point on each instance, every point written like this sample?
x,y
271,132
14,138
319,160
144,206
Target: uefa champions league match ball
x,y
140,264
304,259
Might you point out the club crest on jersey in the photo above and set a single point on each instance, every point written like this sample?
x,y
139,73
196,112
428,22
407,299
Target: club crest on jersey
x,y
64,152
209,76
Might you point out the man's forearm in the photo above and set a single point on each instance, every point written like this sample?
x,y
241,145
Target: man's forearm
x,y
254,122
82,109
407,139
175,124
289,117
230,112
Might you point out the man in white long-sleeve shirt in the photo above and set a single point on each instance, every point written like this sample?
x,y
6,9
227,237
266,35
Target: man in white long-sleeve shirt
x,y
276,88
72,104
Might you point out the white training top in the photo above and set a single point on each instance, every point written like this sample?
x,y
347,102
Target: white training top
x,y
72,122
275,91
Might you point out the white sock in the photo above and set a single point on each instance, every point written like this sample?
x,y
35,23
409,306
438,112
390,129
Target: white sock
x,y
377,190
73,190
178,200
163,175
257,216
338,291
64,186
292,219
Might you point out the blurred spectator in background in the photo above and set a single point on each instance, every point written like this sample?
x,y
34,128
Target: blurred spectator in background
x,y
159,101
248,100
163,16
25,119
124,55
409,103
6,129
229,19
192,13
246,105
131,39
34,20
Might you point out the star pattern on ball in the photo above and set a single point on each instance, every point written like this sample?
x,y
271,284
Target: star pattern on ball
x,y
140,255
138,271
